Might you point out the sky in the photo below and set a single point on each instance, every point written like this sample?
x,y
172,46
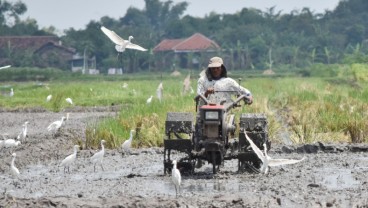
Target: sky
x,y
65,14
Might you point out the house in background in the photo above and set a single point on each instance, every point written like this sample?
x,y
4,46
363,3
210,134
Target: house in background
x,y
192,52
37,51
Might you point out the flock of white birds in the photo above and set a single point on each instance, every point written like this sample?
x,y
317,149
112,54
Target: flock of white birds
x,y
97,158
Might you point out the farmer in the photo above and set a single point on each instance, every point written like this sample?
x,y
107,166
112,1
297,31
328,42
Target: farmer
x,y
217,88
215,80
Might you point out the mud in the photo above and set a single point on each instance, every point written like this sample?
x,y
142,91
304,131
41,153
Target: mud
x,y
332,175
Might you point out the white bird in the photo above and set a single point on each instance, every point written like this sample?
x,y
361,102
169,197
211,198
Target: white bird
x,y
159,91
11,94
128,143
149,100
267,161
121,44
14,170
4,67
54,126
70,159
186,84
98,156
10,143
23,134
176,177
69,100
48,98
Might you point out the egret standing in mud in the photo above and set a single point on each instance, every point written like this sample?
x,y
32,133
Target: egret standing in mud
x,y
23,134
127,143
98,156
14,170
55,126
267,161
8,143
70,159
176,177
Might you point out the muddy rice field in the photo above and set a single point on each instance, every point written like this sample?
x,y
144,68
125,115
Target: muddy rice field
x,y
332,175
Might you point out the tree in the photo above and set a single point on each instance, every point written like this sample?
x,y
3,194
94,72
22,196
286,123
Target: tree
x,y
9,12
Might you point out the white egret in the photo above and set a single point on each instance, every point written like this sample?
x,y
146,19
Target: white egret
x,y
186,84
98,156
23,134
70,159
54,126
149,100
176,177
14,170
267,161
191,90
127,143
5,67
159,91
69,100
11,94
10,143
121,44
48,98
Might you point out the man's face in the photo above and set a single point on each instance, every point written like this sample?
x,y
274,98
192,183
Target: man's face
x,y
216,71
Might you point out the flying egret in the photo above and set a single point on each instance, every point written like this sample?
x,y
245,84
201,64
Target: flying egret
x,y
149,100
5,67
11,94
98,156
267,161
23,134
128,143
70,159
54,126
48,98
176,177
121,44
69,100
159,91
14,170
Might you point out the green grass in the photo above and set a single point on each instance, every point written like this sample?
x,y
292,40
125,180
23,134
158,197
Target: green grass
x,y
310,109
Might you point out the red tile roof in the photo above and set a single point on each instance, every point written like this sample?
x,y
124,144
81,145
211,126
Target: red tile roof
x,y
32,43
26,42
196,42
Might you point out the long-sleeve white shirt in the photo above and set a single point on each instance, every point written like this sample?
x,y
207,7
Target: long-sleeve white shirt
x,y
222,84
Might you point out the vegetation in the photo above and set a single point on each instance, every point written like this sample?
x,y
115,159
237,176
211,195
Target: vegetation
x,y
250,39
299,109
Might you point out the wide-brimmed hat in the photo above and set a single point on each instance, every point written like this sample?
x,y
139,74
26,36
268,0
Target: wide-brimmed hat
x,y
215,62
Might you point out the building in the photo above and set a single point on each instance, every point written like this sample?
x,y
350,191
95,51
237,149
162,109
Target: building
x,y
191,52
37,51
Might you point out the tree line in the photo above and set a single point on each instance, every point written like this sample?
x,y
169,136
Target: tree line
x,y
249,38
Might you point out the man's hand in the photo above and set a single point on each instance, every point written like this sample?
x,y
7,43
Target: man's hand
x,y
249,99
209,90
